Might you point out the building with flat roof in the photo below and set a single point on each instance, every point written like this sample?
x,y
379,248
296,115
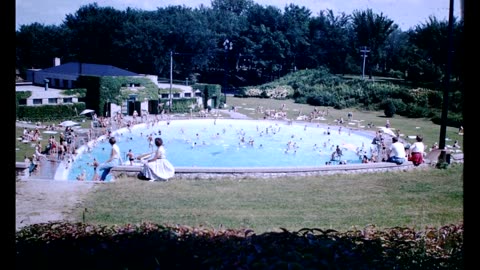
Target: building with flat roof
x,y
43,95
64,76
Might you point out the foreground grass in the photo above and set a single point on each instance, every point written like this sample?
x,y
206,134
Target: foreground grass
x,y
418,198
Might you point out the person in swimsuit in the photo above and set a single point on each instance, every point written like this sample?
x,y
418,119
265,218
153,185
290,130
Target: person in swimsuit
x,y
130,156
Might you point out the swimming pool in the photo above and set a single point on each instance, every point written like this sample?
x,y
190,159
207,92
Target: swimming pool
x,y
230,143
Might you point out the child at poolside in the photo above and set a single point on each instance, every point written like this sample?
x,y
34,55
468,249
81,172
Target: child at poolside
x,y
130,156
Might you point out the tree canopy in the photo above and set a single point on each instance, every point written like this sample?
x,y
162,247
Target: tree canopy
x,y
266,42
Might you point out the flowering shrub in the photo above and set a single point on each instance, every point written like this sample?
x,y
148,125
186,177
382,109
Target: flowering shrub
x,y
276,92
153,246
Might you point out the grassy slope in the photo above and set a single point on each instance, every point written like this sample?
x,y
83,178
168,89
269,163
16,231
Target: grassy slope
x,y
418,198
407,126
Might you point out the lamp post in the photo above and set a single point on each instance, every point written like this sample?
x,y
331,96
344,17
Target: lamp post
x,y
228,46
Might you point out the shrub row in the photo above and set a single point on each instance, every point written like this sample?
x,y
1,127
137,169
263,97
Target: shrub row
x,y
153,246
320,88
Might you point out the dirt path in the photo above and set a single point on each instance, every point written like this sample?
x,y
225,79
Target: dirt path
x,y
41,201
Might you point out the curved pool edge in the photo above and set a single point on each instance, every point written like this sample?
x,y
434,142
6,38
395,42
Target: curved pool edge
x,y
271,172
243,172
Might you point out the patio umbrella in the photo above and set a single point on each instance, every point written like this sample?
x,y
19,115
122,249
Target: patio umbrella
x,y
388,131
86,111
68,123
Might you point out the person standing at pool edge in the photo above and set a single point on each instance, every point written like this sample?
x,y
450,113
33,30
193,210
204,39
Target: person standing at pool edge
x,y
114,159
130,156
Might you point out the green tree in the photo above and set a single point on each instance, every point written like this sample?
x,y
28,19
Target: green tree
x,y
429,50
372,30
331,38
295,28
37,45
395,52
141,43
93,31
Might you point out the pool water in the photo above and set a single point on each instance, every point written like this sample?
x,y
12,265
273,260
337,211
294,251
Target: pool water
x,y
231,143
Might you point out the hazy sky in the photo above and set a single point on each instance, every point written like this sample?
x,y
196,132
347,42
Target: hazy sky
x,y
405,13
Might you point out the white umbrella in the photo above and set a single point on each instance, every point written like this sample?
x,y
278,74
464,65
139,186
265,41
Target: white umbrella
x,y
68,123
87,111
388,131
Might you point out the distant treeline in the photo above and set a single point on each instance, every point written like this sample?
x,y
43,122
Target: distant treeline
x,y
239,43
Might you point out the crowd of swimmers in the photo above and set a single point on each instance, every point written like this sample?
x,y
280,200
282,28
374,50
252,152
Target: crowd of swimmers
x,y
65,148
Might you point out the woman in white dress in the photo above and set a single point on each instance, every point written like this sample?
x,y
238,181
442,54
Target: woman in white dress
x,y
157,167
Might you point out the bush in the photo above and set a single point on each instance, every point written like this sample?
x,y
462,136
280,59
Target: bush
x,y
415,111
318,87
49,112
453,119
389,108
396,74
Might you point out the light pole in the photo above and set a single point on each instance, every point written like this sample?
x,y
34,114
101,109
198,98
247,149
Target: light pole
x,y
228,46
442,158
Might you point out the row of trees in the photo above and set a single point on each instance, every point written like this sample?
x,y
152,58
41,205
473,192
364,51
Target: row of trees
x,y
266,42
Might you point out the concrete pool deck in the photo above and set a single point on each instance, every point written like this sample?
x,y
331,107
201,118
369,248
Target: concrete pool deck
x,y
269,172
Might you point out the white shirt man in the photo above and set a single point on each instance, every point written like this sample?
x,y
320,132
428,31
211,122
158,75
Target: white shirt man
x,y
397,152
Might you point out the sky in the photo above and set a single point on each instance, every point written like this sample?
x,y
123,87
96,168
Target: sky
x,y
405,13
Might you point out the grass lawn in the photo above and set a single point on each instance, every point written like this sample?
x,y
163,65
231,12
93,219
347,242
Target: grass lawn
x,y
418,198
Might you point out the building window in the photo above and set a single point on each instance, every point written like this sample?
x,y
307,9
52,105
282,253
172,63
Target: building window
x,y
37,101
67,100
176,95
22,101
164,95
188,94
65,84
198,94
52,101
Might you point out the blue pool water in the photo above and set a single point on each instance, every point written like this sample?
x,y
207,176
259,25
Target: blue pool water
x,y
229,143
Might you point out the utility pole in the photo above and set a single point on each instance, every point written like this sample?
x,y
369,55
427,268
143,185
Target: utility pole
x,y
228,45
171,81
364,51
442,158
